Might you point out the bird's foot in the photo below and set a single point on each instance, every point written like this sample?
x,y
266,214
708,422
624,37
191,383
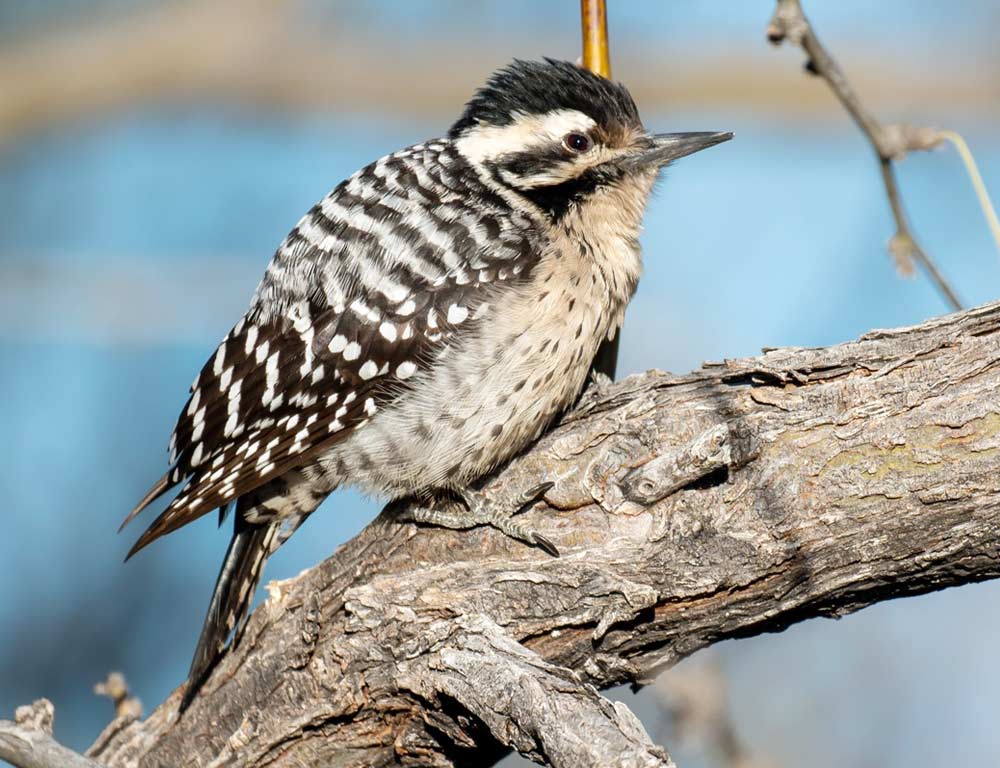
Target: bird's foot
x,y
475,508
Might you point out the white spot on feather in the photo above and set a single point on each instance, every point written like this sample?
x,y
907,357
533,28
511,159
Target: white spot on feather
x,y
220,357
272,370
261,352
337,344
299,315
251,339
407,308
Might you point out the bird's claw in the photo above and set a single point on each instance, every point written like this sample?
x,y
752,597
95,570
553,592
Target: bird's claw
x,y
529,497
480,510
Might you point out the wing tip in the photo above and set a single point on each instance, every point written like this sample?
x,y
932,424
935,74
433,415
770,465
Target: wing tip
x,y
159,488
168,521
139,545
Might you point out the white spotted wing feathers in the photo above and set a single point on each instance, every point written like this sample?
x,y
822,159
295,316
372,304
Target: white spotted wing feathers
x,y
365,292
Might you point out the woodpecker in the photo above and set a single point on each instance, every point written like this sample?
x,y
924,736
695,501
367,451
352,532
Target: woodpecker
x,y
420,325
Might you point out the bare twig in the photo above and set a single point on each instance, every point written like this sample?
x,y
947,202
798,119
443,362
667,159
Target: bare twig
x,y
597,58
116,689
978,185
596,55
27,742
696,701
890,142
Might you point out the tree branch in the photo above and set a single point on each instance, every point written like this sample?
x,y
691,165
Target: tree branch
x,y
594,24
27,741
890,142
543,711
597,58
728,502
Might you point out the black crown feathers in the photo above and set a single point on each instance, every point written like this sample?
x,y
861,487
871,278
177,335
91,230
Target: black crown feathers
x,y
537,87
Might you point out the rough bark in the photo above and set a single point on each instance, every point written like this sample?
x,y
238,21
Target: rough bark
x,y
732,501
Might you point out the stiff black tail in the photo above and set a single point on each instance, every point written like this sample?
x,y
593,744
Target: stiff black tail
x,y
242,567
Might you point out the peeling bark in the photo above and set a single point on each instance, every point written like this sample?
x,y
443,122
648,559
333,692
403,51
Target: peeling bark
x,y
732,501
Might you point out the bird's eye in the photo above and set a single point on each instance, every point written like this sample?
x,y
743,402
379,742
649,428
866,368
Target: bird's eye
x,y
576,142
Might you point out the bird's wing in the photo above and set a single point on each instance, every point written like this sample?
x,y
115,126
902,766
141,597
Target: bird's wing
x,y
360,297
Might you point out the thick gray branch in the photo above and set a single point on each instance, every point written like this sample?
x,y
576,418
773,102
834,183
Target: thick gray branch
x,y
543,711
27,741
732,501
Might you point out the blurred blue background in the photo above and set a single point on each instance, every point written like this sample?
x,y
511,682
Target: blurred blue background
x,y
153,154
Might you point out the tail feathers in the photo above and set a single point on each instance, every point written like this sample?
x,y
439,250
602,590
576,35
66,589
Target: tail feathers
x,y
242,567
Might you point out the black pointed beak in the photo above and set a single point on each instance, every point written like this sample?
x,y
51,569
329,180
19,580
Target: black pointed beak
x,y
667,147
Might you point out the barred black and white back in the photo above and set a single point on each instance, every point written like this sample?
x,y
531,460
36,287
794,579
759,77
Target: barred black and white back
x,y
367,289
362,294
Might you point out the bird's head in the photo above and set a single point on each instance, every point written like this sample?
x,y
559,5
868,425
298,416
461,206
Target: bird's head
x,y
558,135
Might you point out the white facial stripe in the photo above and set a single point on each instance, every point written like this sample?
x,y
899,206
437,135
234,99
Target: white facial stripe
x,y
484,142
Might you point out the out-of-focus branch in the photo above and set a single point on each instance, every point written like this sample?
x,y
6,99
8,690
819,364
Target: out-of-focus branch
x,y
976,179
116,689
597,58
596,54
27,741
695,699
890,142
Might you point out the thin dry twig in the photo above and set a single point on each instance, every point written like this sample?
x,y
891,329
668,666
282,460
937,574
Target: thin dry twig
x,y
978,185
27,741
596,54
116,689
597,58
695,699
890,142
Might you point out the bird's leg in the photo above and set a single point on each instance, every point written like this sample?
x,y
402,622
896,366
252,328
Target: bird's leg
x,y
476,508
